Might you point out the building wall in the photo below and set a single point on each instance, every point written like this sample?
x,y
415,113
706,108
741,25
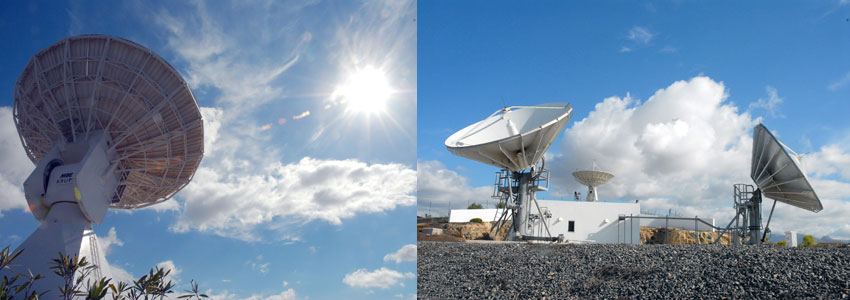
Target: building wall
x,y
594,221
682,224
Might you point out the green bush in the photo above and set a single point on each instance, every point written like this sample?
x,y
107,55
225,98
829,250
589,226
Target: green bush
x,y
476,220
151,286
475,206
781,243
500,205
808,241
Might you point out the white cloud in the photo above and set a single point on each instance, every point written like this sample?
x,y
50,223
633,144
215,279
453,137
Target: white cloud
x,y
439,188
771,104
288,294
840,83
684,148
108,242
685,144
174,275
381,278
16,166
640,35
406,253
233,204
829,160
258,265
212,123
120,275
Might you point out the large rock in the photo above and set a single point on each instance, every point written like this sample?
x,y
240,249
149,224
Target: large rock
x,y
677,236
475,231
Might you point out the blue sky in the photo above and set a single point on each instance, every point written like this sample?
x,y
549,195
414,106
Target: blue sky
x,y
665,94
275,210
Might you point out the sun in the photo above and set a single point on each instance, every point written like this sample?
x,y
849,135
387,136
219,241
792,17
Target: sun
x,y
366,90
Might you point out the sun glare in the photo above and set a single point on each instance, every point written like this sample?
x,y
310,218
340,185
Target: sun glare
x,y
366,90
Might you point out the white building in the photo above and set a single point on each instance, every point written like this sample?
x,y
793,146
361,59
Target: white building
x,y
578,221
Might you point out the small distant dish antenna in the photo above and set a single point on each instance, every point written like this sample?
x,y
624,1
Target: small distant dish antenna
x,y
778,176
514,139
592,179
108,124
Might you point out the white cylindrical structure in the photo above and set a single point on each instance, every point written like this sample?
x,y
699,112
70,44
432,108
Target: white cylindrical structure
x,y
65,229
591,194
790,239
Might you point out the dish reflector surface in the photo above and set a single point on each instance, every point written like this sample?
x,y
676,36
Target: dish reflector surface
x,y
592,177
778,174
87,83
514,138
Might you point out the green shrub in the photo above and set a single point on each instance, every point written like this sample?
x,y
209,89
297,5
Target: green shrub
x,y
476,220
475,206
500,205
781,243
84,286
808,241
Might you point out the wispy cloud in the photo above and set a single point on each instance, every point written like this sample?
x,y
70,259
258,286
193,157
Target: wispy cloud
x,y
840,83
640,35
668,49
637,37
771,104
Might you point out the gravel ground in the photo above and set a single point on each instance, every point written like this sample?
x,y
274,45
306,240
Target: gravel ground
x,y
450,270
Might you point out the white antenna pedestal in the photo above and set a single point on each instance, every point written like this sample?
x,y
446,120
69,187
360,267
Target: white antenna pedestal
x,y
65,230
70,189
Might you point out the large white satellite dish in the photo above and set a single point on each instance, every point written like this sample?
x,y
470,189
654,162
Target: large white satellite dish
x,y
778,174
108,123
514,137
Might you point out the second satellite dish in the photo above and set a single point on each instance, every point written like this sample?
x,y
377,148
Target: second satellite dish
x,y
592,179
778,174
513,138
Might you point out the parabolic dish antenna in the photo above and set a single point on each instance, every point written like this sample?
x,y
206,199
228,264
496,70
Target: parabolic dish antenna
x,y
109,124
778,174
90,83
592,179
513,138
